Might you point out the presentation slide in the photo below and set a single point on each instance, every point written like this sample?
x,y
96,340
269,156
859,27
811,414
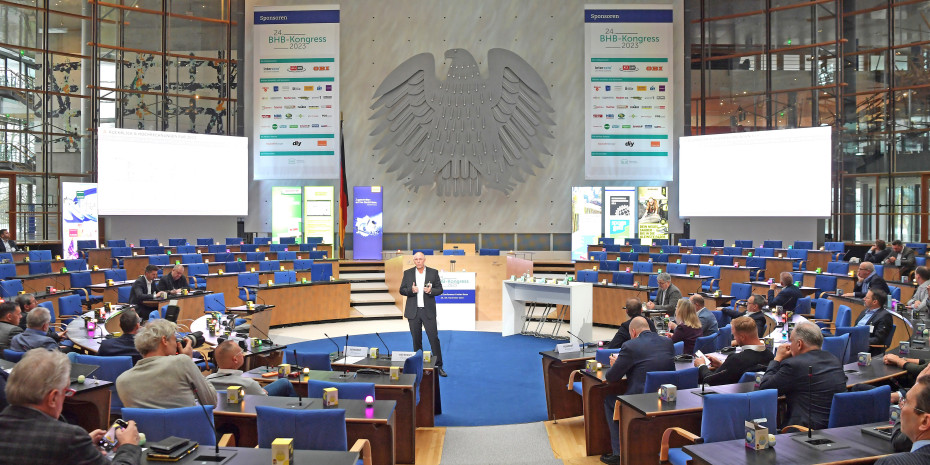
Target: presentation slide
x,y
171,173
781,173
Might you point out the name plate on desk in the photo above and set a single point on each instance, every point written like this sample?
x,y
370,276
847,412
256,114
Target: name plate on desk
x,y
355,351
567,347
398,356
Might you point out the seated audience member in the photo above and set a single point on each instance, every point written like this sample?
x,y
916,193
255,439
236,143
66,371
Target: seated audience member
x,y
918,303
125,344
753,356
687,325
808,398
915,424
166,377
10,316
36,334
901,256
877,253
645,352
754,310
174,282
229,358
634,308
145,289
869,279
915,369
708,320
667,295
788,297
27,302
879,320
32,431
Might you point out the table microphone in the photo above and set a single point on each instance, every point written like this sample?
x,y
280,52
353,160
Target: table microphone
x,y
217,457
385,345
296,363
338,353
583,343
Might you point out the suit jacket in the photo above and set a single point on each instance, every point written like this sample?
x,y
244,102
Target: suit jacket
x,y
790,378
878,256
165,283
908,260
30,436
921,295
759,318
7,332
919,457
732,369
32,339
429,299
881,323
623,333
787,298
123,345
139,293
874,281
13,246
648,352
667,299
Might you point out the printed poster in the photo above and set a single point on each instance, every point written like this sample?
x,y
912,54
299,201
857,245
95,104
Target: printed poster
x,y
319,211
587,208
79,216
620,221
653,211
286,214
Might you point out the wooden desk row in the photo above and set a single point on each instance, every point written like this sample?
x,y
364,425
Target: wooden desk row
x,y
102,257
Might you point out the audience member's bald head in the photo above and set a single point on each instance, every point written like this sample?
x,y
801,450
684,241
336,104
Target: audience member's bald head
x,y
867,266
227,355
639,324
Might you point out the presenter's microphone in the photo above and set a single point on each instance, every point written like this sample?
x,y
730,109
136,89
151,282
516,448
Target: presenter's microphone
x,y
583,343
217,456
338,353
388,350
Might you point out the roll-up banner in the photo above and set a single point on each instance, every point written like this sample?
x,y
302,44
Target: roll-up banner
x,y
368,210
455,307
319,213
286,214
79,216
628,92
296,92
653,210
620,205
587,210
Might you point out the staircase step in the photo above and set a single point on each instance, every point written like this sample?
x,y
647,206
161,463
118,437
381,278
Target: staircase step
x,y
371,311
361,276
375,286
371,298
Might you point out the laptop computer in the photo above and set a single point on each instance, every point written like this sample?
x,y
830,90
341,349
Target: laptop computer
x,y
78,369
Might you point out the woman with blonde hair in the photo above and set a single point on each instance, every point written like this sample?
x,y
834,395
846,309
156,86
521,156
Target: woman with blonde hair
x,y
687,325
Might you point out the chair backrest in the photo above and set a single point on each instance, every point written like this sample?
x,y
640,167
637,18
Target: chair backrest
x,y
659,257
7,270
216,248
69,305
724,417
732,250
205,241
312,360
749,376
40,255
310,429
80,279
629,256
597,256
724,337
453,252
723,260
602,356
640,248
677,268
235,267
682,379
880,270
764,252
51,309
177,241
771,244
715,242
706,344
287,255
10,288
86,244
187,422
215,302
690,259
194,269
642,267
247,279
660,242
269,265
223,257
919,249
11,355
40,267
605,240
285,277
122,294
414,366
800,254
153,250
671,249
687,242
277,247
116,243
612,248
287,240
110,369
121,252
321,271
148,242
679,347
254,256
632,241
803,307
843,316
346,390
895,294
187,249
622,277
301,264
609,265
261,240
722,320
858,340
860,407
653,281
825,283
489,251
805,245
838,267
158,260
756,262
116,274
823,309
422,251
837,345
741,291
318,254
743,244
75,264
709,270
234,240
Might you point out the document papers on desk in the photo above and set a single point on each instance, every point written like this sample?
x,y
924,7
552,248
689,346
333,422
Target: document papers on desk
x,y
349,360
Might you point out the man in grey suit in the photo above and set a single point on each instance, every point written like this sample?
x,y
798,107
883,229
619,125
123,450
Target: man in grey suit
x,y
918,303
667,296
10,315
915,423
903,257
421,285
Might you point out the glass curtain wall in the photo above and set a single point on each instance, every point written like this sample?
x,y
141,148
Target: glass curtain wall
x,y
859,66
69,66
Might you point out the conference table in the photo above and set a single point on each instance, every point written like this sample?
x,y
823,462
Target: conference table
x,y
609,301
375,423
858,448
560,401
305,302
400,391
515,295
190,305
250,456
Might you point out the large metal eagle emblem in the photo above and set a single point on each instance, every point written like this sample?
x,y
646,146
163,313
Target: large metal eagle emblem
x,y
466,132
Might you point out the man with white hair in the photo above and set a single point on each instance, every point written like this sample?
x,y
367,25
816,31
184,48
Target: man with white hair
x,y
166,377
868,280
36,334
667,296
421,285
806,375
32,433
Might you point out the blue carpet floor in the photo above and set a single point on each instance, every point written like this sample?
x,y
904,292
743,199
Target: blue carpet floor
x,y
493,380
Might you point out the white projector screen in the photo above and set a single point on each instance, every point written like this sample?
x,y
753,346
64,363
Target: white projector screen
x,y
171,173
781,173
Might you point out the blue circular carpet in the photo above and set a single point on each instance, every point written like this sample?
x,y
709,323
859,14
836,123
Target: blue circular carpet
x,y
493,380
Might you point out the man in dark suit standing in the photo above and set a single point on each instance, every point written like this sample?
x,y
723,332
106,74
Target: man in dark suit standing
x,y
6,243
869,279
808,396
125,344
915,424
878,320
32,432
645,352
421,285
145,288
634,308
903,257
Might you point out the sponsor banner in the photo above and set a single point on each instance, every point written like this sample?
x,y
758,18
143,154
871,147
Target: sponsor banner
x,y
587,209
653,209
286,214
368,210
620,221
628,92
319,213
455,307
79,216
296,92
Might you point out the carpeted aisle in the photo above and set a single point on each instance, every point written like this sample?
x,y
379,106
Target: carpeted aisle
x,y
492,380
